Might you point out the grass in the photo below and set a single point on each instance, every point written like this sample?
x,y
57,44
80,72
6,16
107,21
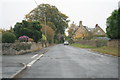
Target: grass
x,y
81,46
104,49
107,50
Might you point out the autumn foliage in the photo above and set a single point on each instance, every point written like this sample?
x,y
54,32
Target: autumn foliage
x,y
49,33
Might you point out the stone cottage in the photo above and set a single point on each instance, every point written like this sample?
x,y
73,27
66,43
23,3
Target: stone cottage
x,y
83,31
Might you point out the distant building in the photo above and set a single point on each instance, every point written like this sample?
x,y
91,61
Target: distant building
x,y
81,32
98,31
84,32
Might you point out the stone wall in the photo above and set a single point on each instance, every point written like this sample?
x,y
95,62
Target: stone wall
x,y
94,43
113,43
7,48
21,47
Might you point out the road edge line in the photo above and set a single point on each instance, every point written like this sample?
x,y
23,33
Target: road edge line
x,y
17,74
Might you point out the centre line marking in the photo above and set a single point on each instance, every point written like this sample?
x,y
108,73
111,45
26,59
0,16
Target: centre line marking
x,y
34,56
32,62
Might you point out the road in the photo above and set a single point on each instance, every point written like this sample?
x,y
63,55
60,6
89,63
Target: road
x,y
63,61
12,63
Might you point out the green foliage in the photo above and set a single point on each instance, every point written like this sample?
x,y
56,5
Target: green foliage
x,y
8,37
30,29
118,18
56,40
36,35
113,25
43,37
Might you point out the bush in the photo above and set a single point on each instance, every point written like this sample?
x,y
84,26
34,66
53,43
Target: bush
x,y
23,38
8,37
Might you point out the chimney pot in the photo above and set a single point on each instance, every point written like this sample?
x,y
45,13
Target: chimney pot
x,y
96,25
80,23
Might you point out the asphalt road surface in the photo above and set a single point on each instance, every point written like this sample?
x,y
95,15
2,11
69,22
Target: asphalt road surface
x,y
62,61
12,63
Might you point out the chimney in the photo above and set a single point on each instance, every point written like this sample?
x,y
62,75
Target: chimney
x,y
96,25
80,23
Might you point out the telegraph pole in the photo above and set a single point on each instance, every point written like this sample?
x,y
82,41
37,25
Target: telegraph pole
x,y
44,24
45,29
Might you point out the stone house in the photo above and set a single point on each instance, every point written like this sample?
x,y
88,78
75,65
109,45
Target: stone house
x,y
84,32
81,31
98,31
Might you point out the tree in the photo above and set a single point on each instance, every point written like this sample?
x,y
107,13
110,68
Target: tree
x,y
31,29
118,18
49,33
2,30
54,18
71,30
113,25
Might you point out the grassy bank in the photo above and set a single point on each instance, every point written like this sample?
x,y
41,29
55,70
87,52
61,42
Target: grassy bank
x,y
105,49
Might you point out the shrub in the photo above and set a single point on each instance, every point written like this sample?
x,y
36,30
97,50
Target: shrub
x,y
30,40
8,37
23,38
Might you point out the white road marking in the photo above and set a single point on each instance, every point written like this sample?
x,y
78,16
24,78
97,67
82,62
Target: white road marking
x,y
32,62
40,56
34,56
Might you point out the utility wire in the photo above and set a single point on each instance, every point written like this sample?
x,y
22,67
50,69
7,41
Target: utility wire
x,y
35,2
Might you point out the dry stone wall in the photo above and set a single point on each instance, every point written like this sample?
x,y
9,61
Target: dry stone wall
x,y
20,47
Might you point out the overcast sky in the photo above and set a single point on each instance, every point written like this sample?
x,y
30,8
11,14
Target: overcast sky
x,y
91,12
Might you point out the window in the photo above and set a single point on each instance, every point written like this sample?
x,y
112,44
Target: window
x,y
98,30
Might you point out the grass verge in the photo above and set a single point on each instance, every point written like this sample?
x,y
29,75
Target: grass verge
x,y
107,50
82,46
104,49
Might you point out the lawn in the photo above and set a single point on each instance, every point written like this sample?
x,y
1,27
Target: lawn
x,y
104,49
